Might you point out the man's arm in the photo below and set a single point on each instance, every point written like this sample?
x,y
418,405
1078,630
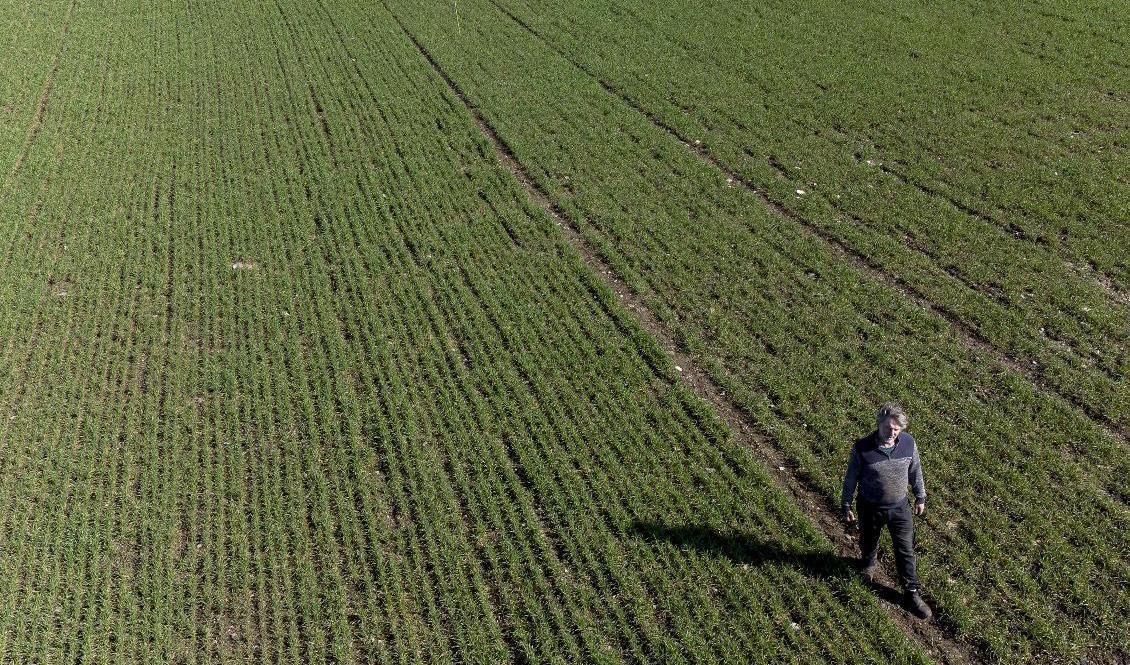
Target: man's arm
x,y
917,484
851,479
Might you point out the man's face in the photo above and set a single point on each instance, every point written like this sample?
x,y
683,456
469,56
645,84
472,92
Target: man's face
x,y
889,430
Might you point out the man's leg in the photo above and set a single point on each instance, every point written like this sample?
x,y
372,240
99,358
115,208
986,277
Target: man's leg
x,y
870,527
901,523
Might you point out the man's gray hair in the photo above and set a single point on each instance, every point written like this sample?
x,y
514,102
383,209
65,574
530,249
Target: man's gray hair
x,y
891,410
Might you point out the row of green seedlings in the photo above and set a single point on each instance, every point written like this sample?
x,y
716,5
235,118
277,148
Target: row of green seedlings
x,y
78,402
30,38
292,599
648,36
1020,295
426,547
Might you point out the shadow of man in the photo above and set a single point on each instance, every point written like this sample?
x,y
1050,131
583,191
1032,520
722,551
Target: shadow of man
x,y
743,548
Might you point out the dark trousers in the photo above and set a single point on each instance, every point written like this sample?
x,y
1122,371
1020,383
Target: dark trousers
x,y
900,521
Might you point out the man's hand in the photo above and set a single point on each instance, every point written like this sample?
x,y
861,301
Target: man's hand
x,y
849,516
919,509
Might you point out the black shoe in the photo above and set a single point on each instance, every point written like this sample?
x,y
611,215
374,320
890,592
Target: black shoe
x,y
916,605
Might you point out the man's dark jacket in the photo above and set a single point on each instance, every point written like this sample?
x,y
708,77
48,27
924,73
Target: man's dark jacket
x,y
882,478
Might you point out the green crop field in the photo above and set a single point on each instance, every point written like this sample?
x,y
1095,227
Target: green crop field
x,y
340,331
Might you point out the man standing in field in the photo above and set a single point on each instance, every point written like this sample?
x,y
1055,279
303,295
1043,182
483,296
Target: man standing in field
x,y
882,464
